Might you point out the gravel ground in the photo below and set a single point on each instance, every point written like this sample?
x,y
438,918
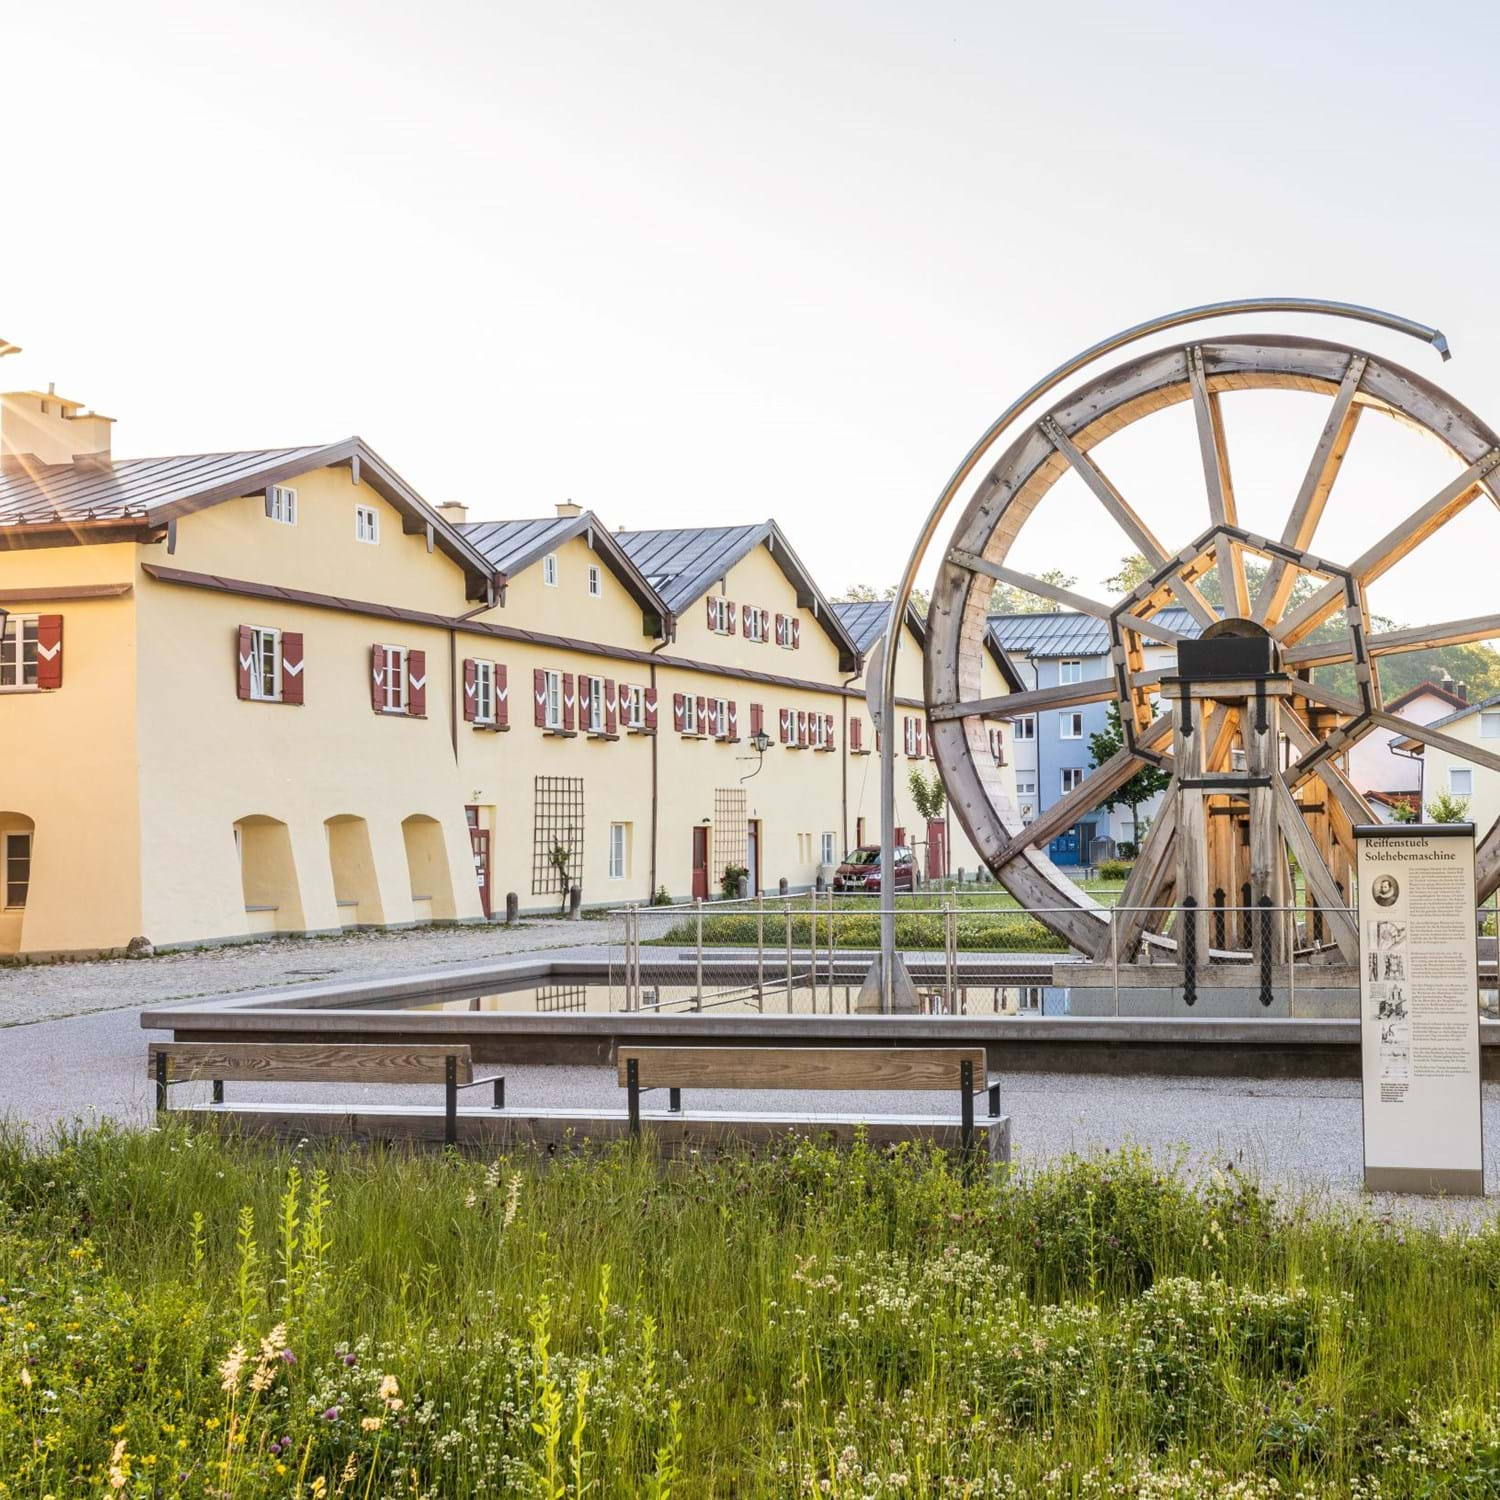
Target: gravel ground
x,y
1301,1137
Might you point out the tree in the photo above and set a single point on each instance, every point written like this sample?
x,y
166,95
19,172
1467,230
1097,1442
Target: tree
x,y
929,796
1446,808
1133,569
1141,787
1006,599
863,593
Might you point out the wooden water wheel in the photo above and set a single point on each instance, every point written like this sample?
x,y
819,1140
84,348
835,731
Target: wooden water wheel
x,y
1254,747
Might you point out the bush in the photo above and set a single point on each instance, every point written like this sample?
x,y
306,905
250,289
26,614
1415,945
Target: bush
x,y
1114,869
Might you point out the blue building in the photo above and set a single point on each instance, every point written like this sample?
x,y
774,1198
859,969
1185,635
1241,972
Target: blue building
x,y
1052,748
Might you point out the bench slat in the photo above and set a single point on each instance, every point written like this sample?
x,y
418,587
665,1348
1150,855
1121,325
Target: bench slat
x,y
897,1068
309,1062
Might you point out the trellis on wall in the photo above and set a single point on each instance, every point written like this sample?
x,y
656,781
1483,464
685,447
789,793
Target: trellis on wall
x,y
557,841
556,997
731,843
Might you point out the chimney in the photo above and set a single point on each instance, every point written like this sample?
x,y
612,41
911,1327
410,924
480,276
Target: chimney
x,y
453,513
44,428
566,510
1461,690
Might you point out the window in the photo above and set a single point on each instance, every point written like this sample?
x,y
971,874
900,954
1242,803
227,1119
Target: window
x,y
1489,726
1072,778
553,711
1069,671
18,651
1461,781
819,726
393,689
720,718
755,623
1025,788
1025,728
720,614
265,664
484,692
281,504
596,581
829,854
595,705
366,524
633,706
787,631
689,714
619,851
549,570
17,868
1070,726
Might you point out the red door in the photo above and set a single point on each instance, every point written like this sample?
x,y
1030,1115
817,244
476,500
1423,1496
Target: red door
x,y
700,864
937,849
479,842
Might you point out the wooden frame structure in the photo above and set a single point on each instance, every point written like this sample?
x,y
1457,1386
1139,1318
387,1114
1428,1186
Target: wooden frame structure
x,y
1253,743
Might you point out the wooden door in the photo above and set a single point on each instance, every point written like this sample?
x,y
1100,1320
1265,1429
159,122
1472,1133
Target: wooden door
x,y
479,842
700,864
752,854
937,849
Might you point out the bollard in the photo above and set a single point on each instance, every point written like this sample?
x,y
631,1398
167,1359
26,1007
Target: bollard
x,y
512,908
742,887
818,884
781,886
575,902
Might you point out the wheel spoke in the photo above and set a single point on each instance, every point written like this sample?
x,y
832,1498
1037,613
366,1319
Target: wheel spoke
x,y
1113,501
1420,525
1038,700
1340,788
1307,509
1434,738
1319,880
1214,448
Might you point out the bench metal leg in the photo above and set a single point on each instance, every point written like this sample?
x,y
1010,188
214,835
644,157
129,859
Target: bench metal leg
x,y
218,1090
633,1094
966,1136
450,1101
161,1082
994,1101
674,1099
500,1093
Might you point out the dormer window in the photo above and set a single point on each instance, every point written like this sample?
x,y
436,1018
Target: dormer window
x,y
596,583
549,570
281,504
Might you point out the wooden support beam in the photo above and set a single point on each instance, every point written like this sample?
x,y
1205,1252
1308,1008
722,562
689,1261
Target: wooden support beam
x,y
1141,536
1340,788
1214,448
1417,527
1394,642
1267,858
1319,881
1038,700
1154,857
1192,822
1437,740
1307,509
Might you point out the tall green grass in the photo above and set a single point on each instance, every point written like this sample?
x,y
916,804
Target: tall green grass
x,y
186,1316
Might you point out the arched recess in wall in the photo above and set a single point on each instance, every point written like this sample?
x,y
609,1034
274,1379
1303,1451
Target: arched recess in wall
x,y
352,864
427,862
17,849
268,875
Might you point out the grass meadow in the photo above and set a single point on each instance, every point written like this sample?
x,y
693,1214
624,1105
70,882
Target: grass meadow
x,y
190,1316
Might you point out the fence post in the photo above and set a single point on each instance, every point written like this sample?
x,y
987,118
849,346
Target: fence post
x,y
1219,918
833,944
1291,967
950,955
787,933
1114,955
1189,947
1267,996
698,998
760,952
812,946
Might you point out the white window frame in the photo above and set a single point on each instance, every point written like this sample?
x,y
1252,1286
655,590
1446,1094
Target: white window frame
x,y
393,691
1025,788
1489,725
552,714
367,525
596,718
281,504
784,633
1070,720
27,836
1456,772
265,650
633,705
619,851
721,717
830,853
723,613
819,731
1025,727
484,692
1069,672
755,625
17,632
689,714
596,582
549,570
1070,779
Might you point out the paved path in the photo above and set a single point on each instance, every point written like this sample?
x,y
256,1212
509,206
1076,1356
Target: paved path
x,y
1303,1135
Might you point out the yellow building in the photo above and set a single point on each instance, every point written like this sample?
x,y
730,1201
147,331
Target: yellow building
x,y
277,691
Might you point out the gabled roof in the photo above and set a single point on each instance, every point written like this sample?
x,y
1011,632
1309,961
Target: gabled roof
x,y
1453,718
512,546
683,563
865,620
1065,632
94,498
1428,689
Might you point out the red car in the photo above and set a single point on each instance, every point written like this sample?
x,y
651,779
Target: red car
x,y
860,870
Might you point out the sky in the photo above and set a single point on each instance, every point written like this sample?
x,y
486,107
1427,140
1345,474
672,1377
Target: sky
x,y
700,263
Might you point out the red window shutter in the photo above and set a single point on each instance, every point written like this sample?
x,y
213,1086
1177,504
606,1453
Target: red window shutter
x,y
732,729
242,662
801,728
570,701
611,706
780,620
502,696
470,689
291,666
416,684
650,696
900,838
785,718
747,611
730,611
757,718
679,711
828,730
796,632
856,732
49,651
539,693
765,624
583,702
708,718
378,667
702,712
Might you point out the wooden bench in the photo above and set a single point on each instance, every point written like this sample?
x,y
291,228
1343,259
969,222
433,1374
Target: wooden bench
x,y
960,1070
293,1062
